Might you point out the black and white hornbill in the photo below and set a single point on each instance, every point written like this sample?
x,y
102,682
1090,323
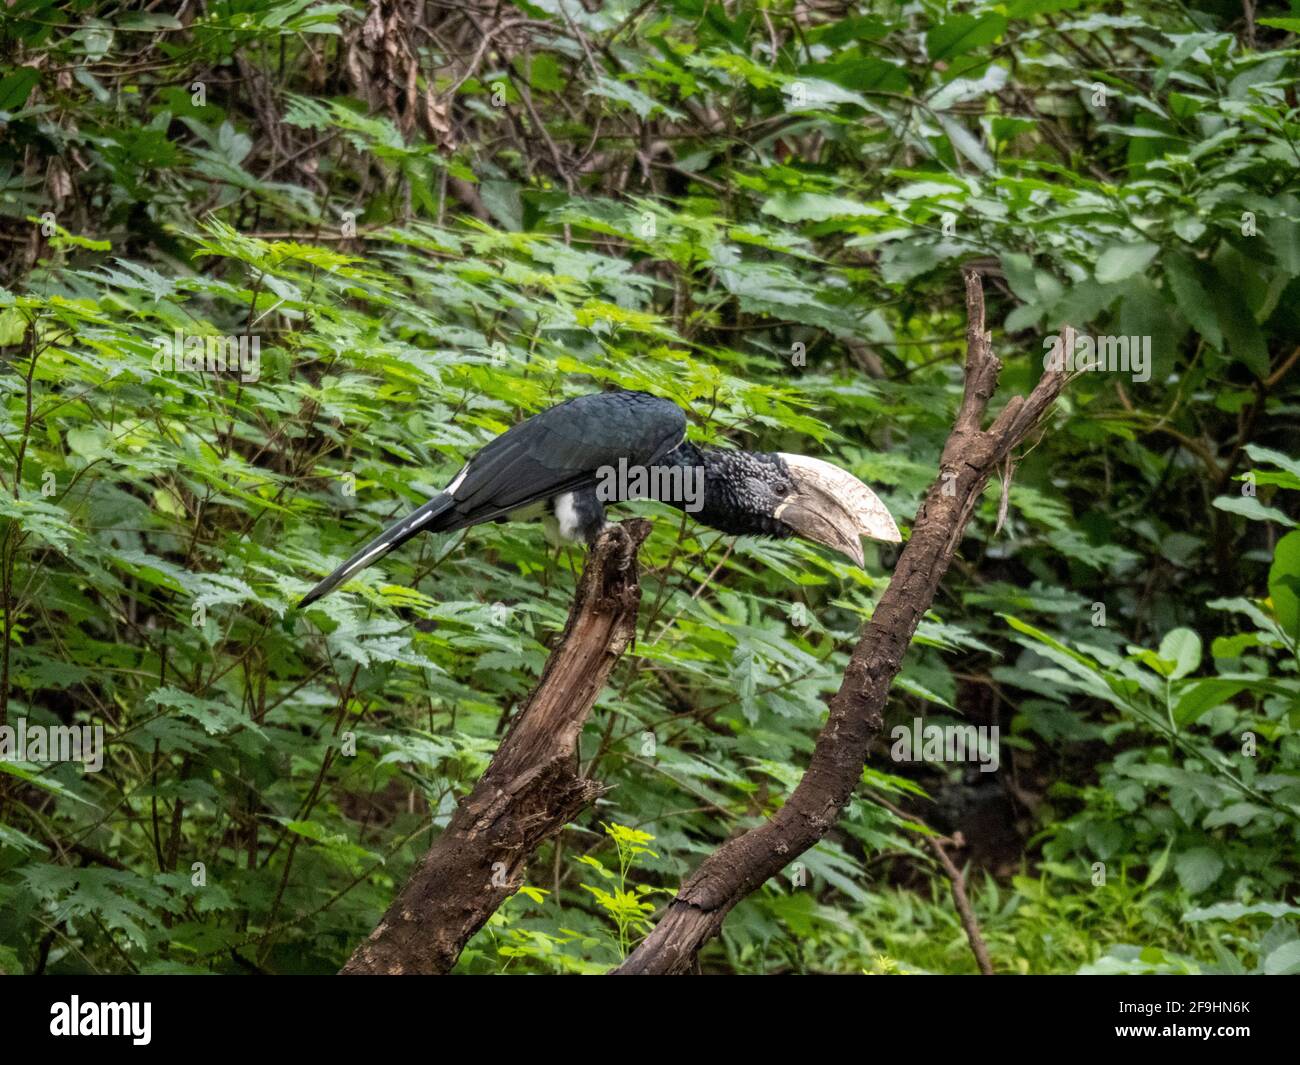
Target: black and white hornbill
x,y
561,464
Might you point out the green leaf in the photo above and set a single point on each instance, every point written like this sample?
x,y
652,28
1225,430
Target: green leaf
x,y
1284,960
36,776
1284,584
963,33
1252,508
966,143
545,72
16,87
1198,868
1204,695
216,717
1182,647
1158,867
813,207
1274,458
1245,340
1188,284
1235,911
1121,261
1105,838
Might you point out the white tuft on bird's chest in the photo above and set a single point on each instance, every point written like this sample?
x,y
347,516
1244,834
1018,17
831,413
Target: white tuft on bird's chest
x,y
565,523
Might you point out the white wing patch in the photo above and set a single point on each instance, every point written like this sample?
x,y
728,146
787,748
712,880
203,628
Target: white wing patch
x,y
451,488
420,521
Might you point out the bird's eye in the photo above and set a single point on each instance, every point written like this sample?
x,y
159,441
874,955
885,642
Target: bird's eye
x,y
781,487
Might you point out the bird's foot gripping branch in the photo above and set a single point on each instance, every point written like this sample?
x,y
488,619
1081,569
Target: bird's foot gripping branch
x,y
530,791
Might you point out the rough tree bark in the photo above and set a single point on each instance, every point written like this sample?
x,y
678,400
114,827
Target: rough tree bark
x,y
529,792
743,863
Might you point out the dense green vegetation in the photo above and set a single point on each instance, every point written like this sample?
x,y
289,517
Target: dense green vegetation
x,y
430,220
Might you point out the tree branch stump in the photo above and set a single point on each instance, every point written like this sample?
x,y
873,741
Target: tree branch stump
x,y
530,791
856,716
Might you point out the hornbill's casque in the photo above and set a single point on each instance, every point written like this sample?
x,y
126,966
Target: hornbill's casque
x,y
561,465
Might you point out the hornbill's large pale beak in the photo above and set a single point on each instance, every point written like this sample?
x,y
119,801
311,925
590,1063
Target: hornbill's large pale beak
x,y
830,506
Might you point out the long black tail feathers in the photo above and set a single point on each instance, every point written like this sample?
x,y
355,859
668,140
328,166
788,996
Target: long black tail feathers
x,y
419,520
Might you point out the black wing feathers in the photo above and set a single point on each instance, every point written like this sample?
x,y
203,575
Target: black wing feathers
x,y
420,519
563,448
555,451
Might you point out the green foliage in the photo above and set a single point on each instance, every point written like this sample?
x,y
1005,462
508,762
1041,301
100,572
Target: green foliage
x,y
760,212
627,908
